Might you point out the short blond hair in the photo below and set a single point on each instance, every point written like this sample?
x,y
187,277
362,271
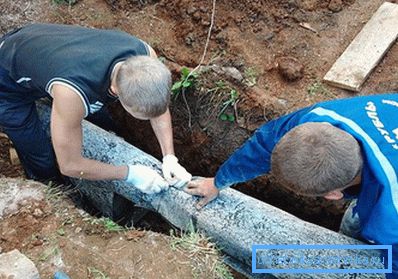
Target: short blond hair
x,y
144,85
315,158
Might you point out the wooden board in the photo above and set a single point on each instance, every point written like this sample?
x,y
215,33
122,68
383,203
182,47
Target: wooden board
x,y
356,63
14,157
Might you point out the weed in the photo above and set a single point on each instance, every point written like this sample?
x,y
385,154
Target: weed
x,y
233,97
222,271
111,226
202,252
53,193
187,80
67,221
51,251
219,98
220,85
69,2
250,75
61,231
96,274
108,224
317,88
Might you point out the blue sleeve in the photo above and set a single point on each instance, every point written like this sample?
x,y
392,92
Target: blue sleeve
x,y
381,225
254,157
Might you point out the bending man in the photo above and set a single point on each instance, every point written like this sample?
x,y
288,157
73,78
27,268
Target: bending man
x,y
331,149
82,70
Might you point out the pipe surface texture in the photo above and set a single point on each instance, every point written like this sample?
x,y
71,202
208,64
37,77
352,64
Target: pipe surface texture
x,y
234,221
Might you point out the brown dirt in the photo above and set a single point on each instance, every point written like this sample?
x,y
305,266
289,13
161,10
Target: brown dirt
x,y
57,236
248,35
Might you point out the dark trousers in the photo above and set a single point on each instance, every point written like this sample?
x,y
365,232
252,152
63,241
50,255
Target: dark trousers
x,y
20,121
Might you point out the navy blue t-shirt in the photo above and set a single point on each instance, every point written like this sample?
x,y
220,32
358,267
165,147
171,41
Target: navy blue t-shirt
x,y
38,56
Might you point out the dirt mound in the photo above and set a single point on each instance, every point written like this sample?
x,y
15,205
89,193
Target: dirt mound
x,y
56,235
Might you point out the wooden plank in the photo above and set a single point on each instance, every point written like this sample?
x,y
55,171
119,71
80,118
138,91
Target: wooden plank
x,y
14,159
356,63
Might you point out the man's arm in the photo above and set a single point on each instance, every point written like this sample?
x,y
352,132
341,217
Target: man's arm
x,y
249,161
66,132
162,127
173,172
253,158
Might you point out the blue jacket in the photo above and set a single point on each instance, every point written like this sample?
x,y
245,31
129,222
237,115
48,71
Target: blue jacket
x,y
373,122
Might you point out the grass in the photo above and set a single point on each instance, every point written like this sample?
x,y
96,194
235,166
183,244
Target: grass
x,y
233,98
206,258
111,226
69,2
49,252
107,224
54,193
318,88
223,97
96,273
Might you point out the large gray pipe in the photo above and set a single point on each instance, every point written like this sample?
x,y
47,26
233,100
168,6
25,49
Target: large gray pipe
x,y
234,221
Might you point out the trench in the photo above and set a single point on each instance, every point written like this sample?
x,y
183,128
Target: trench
x,y
202,150
234,221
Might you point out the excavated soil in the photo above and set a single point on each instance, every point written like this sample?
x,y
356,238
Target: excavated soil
x,y
282,49
57,236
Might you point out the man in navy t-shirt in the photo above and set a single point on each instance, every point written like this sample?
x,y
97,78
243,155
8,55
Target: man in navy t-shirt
x,y
328,149
82,69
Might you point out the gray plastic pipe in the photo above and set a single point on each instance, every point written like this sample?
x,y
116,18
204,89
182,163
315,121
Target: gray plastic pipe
x,y
234,221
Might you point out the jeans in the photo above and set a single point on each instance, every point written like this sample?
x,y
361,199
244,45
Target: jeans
x,y
20,121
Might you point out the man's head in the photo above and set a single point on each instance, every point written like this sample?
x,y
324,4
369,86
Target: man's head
x,y
143,86
316,159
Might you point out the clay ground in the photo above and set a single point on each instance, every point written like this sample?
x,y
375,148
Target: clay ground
x,y
254,37
56,236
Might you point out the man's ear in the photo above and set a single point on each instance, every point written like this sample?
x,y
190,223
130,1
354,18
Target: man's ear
x,y
334,195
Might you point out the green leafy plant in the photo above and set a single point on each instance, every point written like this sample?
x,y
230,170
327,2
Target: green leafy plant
x,y
111,226
108,224
186,81
233,97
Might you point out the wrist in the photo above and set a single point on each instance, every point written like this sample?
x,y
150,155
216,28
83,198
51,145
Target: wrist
x,y
131,174
126,178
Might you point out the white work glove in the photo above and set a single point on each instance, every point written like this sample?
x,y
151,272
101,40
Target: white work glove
x,y
174,173
145,179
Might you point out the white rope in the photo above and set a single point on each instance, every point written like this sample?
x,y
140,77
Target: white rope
x,y
213,13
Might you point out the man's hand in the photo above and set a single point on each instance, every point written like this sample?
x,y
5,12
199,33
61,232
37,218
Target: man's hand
x,y
146,179
204,188
173,172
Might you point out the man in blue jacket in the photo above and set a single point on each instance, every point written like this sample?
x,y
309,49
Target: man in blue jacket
x,y
82,69
329,149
